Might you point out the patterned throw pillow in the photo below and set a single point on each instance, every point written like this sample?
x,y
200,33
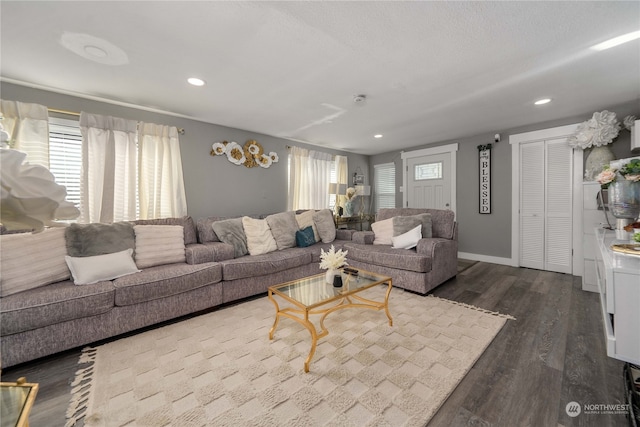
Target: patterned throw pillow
x,y
305,237
259,238
305,219
159,244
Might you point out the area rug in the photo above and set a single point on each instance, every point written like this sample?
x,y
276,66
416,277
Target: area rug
x,y
220,368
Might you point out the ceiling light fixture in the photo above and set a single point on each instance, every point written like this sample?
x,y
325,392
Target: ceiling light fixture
x,y
378,135
617,41
94,48
195,81
359,99
542,101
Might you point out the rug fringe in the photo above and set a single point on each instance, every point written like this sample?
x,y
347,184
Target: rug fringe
x,y
473,307
81,387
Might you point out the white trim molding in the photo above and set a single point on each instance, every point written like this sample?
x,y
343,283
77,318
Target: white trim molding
x,y
441,149
541,135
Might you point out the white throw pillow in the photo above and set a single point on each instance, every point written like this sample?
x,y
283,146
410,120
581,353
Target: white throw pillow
x,y
259,238
409,239
159,244
383,231
305,219
93,269
29,260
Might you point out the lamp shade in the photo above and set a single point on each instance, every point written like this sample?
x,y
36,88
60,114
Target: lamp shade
x,y
363,190
342,189
333,187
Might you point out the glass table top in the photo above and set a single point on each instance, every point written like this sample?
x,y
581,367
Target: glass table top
x,y
14,400
314,290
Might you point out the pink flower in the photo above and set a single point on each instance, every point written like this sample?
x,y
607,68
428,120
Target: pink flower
x,y
634,178
607,176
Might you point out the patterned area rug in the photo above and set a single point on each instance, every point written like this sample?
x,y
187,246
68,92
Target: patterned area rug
x,y
220,369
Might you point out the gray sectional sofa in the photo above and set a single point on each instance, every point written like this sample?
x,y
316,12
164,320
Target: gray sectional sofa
x,y
62,315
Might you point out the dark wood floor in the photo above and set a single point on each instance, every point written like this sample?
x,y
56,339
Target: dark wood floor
x,y
551,355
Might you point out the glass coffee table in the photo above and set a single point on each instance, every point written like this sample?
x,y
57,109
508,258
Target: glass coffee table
x,y
314,296
16,400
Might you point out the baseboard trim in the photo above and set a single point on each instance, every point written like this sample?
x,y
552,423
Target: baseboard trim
x,y
484,258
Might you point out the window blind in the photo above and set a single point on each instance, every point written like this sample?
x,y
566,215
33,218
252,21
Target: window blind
x,y
384,176
65,155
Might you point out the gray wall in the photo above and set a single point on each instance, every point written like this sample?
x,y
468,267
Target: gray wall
x,y
490,234
214,186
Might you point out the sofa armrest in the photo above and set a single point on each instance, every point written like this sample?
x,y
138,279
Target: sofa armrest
x,y
363,237
443,253
199,253
344,234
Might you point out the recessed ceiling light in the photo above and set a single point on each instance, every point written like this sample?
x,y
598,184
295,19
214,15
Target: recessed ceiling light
x,y
378,135
195,81
95,51
617,41
94,48
542,101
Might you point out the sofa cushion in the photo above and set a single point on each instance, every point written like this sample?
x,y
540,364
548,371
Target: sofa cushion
x,y
55,303
409,239
159,244
92,269
231,231
163,281
31,260
260,265
205,229
402,224
305,219
283,227
442,220
383,231
190,235
386,256
99,239
259,238
325,225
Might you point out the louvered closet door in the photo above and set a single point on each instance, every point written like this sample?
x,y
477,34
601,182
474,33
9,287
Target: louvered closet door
x,y
546,203
532,174
559,206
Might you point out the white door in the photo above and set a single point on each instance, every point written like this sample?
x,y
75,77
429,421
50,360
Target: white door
x,y
429,181
546,205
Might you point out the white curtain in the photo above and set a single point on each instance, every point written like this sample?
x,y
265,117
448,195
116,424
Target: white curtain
x,y
342,174
109,169
309,175
28,127
161,189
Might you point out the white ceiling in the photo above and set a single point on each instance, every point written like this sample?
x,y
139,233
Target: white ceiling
x,y
432,71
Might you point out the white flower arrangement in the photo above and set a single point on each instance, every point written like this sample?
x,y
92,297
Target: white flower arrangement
x,y
601,129
352,193
628,122
333,259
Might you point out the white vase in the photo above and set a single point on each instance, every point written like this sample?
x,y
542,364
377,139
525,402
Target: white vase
x,y
330,273
596,160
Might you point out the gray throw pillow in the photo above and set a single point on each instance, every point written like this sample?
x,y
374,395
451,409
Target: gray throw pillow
x,y
283,228
402,224
230,231
325,225
99,239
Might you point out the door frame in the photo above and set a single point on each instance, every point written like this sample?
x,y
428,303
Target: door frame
x,y
450,149
578,167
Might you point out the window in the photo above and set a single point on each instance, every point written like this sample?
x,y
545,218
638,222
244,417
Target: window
x,y
427,171
384,176
333,177
65,156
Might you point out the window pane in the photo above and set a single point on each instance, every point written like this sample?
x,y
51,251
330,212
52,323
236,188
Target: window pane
x,y
65,156
385,185
427,171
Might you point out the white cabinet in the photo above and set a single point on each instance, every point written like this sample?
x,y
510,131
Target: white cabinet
x,y
618,277
592,218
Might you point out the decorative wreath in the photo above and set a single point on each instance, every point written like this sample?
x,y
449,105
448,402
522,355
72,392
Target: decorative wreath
x,y
250,155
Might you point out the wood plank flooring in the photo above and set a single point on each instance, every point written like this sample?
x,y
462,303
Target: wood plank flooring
x,y
552,354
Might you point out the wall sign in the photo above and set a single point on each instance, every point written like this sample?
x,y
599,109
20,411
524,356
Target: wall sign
x,y
485,178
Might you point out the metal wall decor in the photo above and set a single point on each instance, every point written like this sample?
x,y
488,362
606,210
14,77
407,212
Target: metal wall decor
x,y
250,155
485,178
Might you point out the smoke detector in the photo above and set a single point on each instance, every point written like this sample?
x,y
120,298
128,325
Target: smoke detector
x,y
359,99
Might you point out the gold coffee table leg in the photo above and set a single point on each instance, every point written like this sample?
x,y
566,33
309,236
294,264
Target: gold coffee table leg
x,y
275,322
386,303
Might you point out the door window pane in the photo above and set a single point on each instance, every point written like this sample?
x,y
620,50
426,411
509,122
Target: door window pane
x,y
427,171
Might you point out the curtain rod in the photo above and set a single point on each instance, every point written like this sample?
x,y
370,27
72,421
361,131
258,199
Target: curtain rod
x,y
74,113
